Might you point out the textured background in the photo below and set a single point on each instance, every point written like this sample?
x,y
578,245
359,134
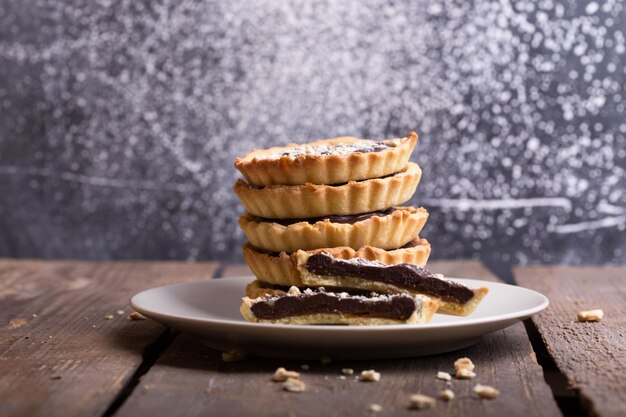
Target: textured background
x,y
119,120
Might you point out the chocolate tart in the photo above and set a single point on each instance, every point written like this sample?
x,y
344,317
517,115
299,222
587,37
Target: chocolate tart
x,y
280,268
386,229
317,306
328,161
311,200
322,269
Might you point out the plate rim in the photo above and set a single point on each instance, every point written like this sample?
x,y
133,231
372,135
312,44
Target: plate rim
x,y
521,314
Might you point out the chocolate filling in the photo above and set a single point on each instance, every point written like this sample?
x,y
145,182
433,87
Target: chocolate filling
x,y
398,307
349,219
260,187
409,245
407,276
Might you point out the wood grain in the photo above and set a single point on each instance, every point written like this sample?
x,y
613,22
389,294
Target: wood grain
x,y
59,356
591,355
192,380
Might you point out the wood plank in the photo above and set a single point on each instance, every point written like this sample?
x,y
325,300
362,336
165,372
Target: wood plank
x,y
192,380
236,270
59,356
592,356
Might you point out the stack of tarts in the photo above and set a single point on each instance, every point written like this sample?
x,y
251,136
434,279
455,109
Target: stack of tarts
x,y
329,241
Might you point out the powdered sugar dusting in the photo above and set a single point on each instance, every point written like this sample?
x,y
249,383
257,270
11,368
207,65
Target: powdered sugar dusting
x,y
323,150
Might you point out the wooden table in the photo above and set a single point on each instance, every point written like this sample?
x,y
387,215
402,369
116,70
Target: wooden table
x,y
60,356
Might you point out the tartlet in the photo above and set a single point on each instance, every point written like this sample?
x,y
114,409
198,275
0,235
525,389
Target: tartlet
x,y
389,229
323,269
328,161
317,306
311,200
280,268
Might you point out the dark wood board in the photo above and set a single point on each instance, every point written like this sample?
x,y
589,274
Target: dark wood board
x,y
592,356
192,380
59,356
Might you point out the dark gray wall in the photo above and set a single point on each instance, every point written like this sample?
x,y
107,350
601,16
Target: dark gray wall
x,y
119,120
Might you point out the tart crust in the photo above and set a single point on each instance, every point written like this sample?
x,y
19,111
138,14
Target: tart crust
x,y
426,307
386,232
445,306
310,200
281,269
260,170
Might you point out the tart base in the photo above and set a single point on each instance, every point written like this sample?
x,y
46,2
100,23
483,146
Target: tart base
x,y
310,200
261,169
280,269
386,232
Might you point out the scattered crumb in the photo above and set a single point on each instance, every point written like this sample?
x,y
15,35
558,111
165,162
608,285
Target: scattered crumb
x,y
485,391
16,323
34,315
281,374
108,317
120,312
375,408
304,367
93,325
326,360
444,376
446,395
135,315
422,402
341,377
464,374
294,385
234,355
370,376
591,315
347,371
463,368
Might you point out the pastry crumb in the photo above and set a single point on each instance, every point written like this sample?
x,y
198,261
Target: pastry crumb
x,y
135,315
120,312
234,355
370,375
444,376
463,368
375,408
294,385
108,317
326,360
486,391
293,290
446,395
422,402
341,377
464,363
591,315
17,323
347,371
304,367
281,374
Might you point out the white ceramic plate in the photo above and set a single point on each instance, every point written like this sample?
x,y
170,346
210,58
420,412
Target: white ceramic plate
x,y
210,311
